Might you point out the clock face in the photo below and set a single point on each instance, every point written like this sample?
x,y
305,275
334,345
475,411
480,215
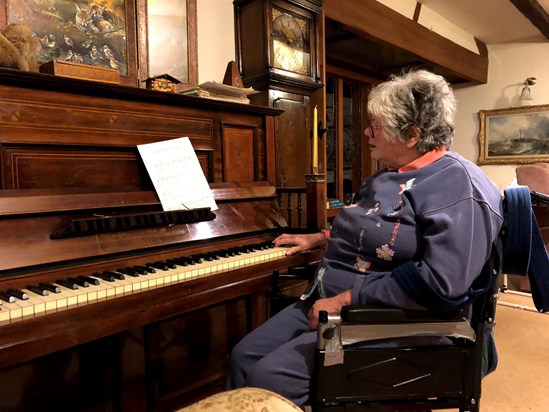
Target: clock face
x,y
291,42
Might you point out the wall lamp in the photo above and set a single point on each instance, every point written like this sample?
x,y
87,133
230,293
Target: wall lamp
x,y
526,93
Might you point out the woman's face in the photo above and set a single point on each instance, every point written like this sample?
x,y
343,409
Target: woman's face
x,y
394,154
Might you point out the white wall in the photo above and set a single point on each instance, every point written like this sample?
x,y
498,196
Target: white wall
x,y
216,41
509,66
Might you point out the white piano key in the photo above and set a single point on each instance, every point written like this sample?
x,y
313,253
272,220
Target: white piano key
x,y
36,300
27,308
67,297
4,315
15,312
38,305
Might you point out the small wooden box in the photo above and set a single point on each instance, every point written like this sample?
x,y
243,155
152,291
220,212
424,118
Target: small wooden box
x,y
81,71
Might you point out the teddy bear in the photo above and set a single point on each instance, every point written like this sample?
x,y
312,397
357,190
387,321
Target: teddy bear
x,y
19,47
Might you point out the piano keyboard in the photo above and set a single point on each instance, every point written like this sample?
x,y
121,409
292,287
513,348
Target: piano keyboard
x,y
42,299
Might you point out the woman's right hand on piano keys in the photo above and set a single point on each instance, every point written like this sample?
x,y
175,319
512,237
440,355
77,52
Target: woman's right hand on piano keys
x,y
301,242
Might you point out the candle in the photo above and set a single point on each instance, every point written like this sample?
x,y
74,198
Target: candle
x,y
315,140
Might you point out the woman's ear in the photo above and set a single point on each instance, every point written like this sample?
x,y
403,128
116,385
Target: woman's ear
x,y
413,137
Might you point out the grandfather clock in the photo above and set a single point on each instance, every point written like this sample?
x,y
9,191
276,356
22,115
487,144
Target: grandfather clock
x,y
277,47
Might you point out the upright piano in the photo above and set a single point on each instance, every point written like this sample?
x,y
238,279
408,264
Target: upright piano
x,y
108,303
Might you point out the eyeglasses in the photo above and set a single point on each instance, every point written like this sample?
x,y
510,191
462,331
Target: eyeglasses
x,y
372,128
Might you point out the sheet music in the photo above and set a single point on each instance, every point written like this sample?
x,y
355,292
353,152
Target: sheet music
x,y
176,174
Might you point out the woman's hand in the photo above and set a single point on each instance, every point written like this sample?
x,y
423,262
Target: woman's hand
x,y
331,305
300,243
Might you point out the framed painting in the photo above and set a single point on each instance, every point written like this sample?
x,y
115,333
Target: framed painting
x,y
98,33
514,135
167,40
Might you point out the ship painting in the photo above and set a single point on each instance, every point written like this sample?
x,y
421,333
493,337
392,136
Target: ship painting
x,y
517,132
520,145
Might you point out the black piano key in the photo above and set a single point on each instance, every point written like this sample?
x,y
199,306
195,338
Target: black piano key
x,y
6,297
90,280
105,276
116,275
224,253
80,282
247,249
38,290
211,256
49,287
69,284
178,261
145,269
16,293
204,257
196,259
160,265
142,270
128,271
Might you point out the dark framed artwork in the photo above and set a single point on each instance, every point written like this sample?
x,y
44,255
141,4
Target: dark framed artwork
x,y
99,33
167,40
514,135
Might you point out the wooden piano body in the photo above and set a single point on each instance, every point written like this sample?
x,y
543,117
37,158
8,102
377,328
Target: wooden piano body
x,y
68,158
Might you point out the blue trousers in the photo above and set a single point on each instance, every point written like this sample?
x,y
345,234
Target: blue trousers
x,y
278,355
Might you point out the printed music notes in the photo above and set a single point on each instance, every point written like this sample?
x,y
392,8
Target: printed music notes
x,y
176,174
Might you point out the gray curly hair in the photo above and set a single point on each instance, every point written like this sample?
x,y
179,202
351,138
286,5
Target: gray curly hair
x,y
417,98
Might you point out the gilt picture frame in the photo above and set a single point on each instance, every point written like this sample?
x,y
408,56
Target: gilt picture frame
x,y
514,135
101,34
167,33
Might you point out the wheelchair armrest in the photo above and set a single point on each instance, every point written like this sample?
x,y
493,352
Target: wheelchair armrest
x,y
358,324
371,314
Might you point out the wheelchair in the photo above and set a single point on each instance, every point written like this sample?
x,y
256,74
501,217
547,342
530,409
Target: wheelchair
x,y
352,377
414,378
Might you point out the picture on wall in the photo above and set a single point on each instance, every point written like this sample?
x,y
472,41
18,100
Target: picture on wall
x,y
514,135
97,33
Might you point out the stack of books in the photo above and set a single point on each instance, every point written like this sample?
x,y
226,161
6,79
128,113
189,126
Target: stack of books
x,y
219,91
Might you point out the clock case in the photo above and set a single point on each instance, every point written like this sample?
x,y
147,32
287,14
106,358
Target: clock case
x,y
255,48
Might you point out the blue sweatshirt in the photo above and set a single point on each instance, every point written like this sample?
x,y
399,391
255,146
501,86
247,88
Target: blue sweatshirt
x,y
433,222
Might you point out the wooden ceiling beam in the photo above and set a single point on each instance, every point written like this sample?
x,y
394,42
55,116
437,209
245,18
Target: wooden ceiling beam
x,y
380,23
533,11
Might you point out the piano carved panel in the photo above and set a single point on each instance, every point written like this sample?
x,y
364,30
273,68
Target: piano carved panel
x,y
240,154
107,302
39,166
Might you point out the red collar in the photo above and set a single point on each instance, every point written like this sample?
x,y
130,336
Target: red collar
x,y
424,160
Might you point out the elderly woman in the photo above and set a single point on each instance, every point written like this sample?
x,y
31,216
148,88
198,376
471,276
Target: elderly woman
x,y
416,235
